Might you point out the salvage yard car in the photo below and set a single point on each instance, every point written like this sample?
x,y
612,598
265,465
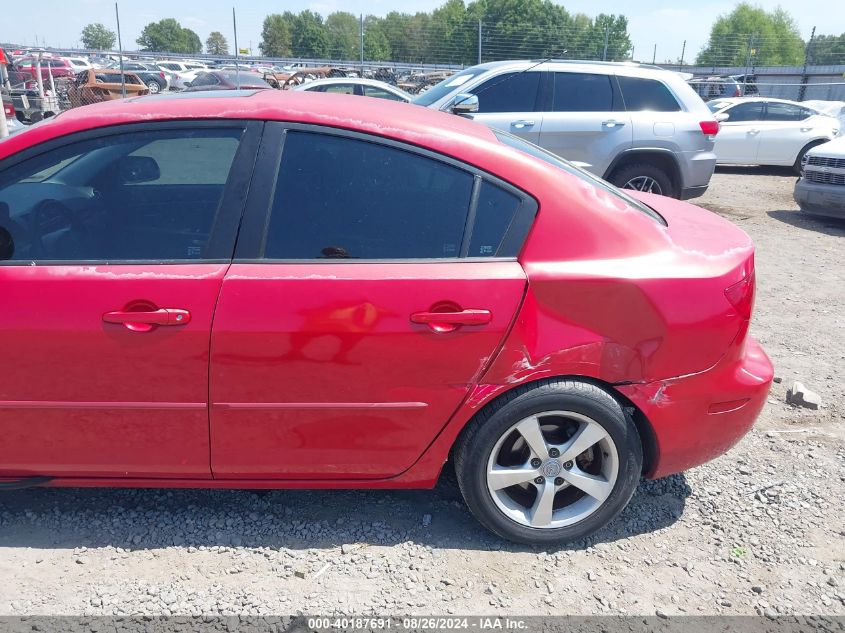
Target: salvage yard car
x,y
639,127
762,131
821,188
356,86
102,84
264,289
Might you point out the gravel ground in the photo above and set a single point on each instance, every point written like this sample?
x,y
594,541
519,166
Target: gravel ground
x,y
759,530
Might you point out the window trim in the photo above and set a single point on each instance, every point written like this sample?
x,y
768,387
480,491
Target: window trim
x,y
223,237
255,225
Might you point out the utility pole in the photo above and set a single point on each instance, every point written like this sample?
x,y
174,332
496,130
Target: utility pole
x,y
479,40
120,53
654,56
606,40
802,89
683,52
747,63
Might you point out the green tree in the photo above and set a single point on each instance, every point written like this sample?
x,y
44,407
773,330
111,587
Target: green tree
x,y
168,35
618,40
276,36
749,33
828,49
309,36
343,31
376,44
216,44
97,37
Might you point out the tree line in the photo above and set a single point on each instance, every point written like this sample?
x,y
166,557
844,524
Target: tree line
x,y
510,29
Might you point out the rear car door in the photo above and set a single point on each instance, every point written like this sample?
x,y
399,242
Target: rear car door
x,y
359,313
113,248
586,120
739,135
509,102
785,130
657,119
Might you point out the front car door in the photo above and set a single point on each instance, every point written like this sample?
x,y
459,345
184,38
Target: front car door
x,y
739,134
113,247
355,320
509,102
586,120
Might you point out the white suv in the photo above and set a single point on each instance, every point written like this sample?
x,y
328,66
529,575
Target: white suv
x,y
639,127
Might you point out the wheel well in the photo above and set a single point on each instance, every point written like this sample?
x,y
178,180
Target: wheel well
x,y
648,440
810,145
663,160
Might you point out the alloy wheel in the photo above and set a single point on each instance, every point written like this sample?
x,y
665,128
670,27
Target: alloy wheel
x,y
644,183
552,469
154,87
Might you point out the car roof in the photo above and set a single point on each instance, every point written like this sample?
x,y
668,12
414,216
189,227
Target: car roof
x,y
623,68
735,100
405,122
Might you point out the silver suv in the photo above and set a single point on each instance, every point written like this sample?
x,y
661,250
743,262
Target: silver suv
x,y
639,127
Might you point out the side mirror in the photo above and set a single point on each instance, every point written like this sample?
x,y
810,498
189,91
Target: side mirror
x,y
465,104
137,169
722,116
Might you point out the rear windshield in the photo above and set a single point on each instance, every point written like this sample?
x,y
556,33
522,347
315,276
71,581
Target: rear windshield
x,y
552,159
446,86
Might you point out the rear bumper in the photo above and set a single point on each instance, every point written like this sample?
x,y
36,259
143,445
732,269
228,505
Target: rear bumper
x,y
698,417
819,199
693,192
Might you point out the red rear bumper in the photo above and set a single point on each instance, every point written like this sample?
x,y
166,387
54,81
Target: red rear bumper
x,y
698,417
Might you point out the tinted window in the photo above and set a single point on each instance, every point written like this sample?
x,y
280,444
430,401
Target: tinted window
x,y
745,112
338,197
139,196
344,89
647,94
582,92
510,92
379,93
446,86
785,112
494,214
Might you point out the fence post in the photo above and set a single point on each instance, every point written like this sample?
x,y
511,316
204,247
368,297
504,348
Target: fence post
x,y
654,56
120,53
362,44
606,39
747,63
479,41
802,89
683,52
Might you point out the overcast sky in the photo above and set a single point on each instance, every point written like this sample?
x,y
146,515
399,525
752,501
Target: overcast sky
x,y
59,22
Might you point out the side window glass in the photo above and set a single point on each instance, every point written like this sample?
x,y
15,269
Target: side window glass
x,y
582,92
510,92
783,112
647,94
343,89
132,197
745,112
338,197
373,91
496,210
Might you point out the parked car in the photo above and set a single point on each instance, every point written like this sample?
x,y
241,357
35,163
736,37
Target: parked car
x,y
226,80
183,72
103,84
763,131
12,123
79,64
821,188
404,285
55,66
151,75
721,87
832,108
356,86
636,126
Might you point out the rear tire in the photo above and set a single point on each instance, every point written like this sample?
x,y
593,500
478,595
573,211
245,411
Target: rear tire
x,y
547,505
644,177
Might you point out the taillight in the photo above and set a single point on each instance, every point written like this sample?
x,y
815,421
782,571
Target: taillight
x,y
9,110
161,75
710,128
741,296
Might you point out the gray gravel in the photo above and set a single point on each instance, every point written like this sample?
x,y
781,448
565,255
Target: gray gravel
x,y
760,530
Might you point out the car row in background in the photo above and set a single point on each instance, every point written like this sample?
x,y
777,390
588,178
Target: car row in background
x,y
356,86
764,131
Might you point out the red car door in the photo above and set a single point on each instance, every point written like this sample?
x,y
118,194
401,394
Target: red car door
x,y
356,319
113,248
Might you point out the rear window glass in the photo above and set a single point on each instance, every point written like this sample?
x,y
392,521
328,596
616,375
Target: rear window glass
x,y
538,152
582,92
647,94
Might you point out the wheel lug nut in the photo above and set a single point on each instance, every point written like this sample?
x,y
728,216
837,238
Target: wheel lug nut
x,y
558,481
553,452
536,462
568,466
539,480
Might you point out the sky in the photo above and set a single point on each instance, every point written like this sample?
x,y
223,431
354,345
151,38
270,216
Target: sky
x,y
651,22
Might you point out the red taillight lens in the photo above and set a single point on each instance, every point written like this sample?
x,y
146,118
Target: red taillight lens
x,y
9,110
741,296
710,128
161,75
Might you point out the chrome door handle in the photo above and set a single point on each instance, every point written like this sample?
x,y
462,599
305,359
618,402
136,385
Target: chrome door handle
x,y
753,132
612,123
522,123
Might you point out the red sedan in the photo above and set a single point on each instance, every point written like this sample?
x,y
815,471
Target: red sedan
x,y
259,289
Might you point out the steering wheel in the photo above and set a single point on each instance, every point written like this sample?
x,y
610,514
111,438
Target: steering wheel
x,y
53,208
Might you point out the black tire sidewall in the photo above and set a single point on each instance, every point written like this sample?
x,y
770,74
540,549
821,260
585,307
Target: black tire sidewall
x,y
472,467
623,175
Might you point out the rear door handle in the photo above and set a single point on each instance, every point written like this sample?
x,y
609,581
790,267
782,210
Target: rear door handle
x,y
146,321
449,321
612,123
522,123
753,132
